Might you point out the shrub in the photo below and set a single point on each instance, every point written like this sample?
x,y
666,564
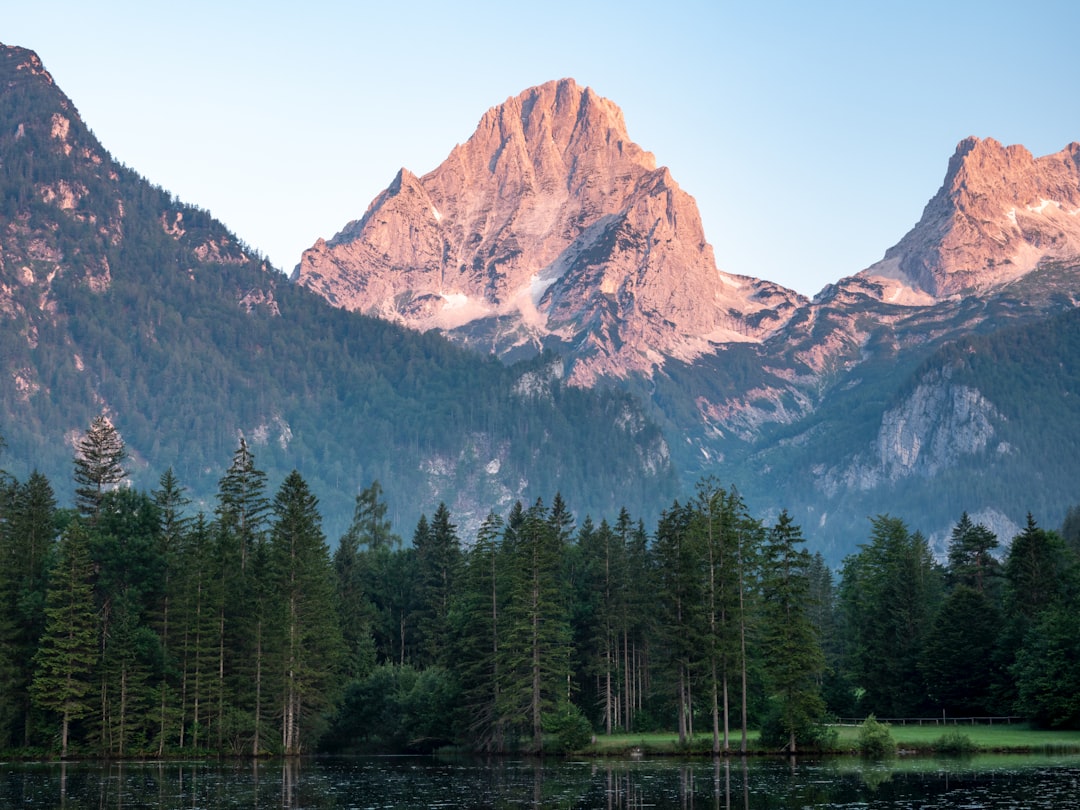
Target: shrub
x,y
875,739
954,742
569,726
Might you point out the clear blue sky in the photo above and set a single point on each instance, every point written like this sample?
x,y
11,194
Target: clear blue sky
x,y
811,133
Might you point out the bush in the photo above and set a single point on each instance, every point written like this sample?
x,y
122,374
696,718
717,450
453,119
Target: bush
x,y
875,739
808,734
954,743
569,726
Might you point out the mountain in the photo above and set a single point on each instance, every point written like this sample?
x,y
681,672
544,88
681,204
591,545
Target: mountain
x,y
1000,214
115,297
550,229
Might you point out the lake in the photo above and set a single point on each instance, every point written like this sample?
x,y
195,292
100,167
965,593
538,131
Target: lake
x,y
409,782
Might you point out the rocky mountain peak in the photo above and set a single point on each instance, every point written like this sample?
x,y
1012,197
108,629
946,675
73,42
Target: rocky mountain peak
x,y
999,214
22,60
548,227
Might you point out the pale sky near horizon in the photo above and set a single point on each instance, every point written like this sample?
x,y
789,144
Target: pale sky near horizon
x,y
811,134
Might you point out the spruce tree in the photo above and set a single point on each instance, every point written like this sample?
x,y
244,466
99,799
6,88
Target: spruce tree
x,y
679,602
27,541
66,658
242,513
793,658
478,613
99,459
438,560
308,642
170,500
535,658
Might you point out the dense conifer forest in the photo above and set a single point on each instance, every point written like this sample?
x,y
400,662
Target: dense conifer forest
x,y
132,625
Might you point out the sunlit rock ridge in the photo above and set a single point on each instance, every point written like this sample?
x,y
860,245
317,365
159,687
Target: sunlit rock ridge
x,y
999,215
549,227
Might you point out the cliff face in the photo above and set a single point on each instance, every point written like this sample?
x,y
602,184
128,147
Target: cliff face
x,y
999,214
548,227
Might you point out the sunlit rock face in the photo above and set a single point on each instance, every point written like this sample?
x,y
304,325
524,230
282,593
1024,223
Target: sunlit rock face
x,y
548,227
999,214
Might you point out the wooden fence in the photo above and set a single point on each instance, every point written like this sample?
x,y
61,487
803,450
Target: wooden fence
x,y
931,721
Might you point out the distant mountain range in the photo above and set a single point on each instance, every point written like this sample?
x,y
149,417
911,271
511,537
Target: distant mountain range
x,y
944,378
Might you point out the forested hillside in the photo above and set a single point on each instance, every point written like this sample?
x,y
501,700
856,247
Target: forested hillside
x,y
116,298
132,625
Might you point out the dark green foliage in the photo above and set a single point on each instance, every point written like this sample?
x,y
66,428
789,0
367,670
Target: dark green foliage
x,y
791,648
1047,675
875,739
569,726
396,708
303,634
64,664
438,564
959,653
534,650
889,593
28,530
954,743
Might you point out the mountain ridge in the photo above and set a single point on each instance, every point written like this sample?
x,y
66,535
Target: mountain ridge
x,y
115,296
547,228
727,361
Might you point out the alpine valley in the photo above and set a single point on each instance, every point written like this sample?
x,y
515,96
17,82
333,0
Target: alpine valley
x,y
542,313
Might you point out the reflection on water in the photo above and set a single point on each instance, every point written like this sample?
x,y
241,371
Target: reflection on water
x,y
402,782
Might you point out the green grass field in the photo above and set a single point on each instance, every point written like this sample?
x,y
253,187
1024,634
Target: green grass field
x,y
986,738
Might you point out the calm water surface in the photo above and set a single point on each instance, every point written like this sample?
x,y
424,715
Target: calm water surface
x,y
979,782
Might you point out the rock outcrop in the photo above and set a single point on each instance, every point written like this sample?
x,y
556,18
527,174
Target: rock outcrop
x,y
999,214
548,227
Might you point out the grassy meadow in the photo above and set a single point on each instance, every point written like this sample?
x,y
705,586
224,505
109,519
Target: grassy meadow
x,y
1017,737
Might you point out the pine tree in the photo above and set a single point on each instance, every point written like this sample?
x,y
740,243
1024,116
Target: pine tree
x,y
971,556
198,610
355,610
125,547
478,612
99,459
309,640
438,560
65,661
170,500
242,513
27,540
793,657
535,658
889,594
679,604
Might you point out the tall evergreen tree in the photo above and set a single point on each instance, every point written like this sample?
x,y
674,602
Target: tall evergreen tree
x,y
67,655
959,659
679,604
889,593
535,658
793,657
438,560
242,513
27,540
309,641
171,501
198,612
478,611
126,551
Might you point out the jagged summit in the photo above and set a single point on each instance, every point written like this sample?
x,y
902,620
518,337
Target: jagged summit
x,y
999,214
548,227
